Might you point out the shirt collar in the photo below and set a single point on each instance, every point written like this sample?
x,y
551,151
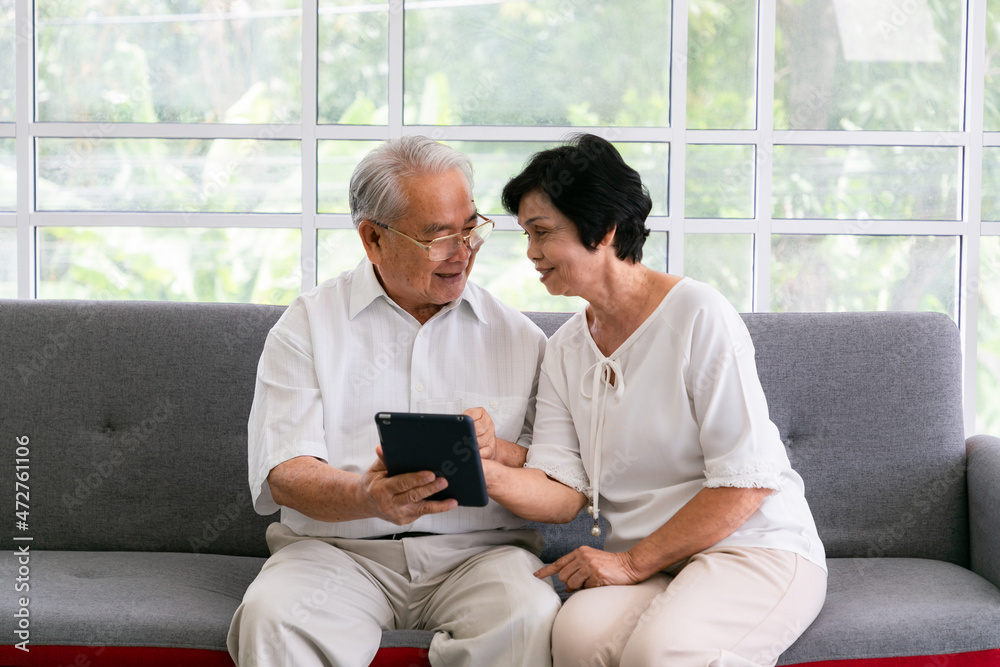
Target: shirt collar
x,y
366,289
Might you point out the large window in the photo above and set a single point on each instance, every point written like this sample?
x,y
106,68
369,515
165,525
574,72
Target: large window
x,y
802,155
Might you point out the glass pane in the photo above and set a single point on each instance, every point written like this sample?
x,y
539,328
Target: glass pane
x,y
8,176
501,266
494,163
219,175
546,62
335,163
353,67
866,183
869,65
719,181
992,117
169,264
338,250
8,263
221,61
988,335
991,184
721,65
859,273
7,43
724,261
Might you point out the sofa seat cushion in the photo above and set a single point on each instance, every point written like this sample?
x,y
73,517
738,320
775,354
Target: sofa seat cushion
x,y
113,656
875,608
104,599
878,608
896,607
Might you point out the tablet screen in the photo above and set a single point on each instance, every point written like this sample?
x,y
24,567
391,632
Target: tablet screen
x,y
444,444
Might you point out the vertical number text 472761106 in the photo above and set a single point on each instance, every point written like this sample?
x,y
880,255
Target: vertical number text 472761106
x,y
22,584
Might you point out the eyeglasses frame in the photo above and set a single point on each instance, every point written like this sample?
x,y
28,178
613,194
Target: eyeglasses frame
x,y
427,246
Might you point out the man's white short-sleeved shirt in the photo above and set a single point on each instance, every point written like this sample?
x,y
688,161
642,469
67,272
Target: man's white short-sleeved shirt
x,y
686,412
344,351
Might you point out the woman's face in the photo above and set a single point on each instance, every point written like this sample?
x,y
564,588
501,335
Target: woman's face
x,y
554,246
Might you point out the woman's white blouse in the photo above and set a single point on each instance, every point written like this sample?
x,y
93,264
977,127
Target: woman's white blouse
x,y
685,411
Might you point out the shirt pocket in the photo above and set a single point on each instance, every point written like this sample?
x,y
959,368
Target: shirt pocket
x,y
507,412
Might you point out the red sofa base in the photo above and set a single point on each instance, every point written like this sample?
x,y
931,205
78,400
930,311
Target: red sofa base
x,y
141,656
152,656
990,658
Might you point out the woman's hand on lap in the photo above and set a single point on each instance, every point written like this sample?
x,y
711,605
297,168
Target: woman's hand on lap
x,y
586,567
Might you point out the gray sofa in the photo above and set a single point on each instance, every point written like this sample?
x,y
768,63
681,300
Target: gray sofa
x,y
123,426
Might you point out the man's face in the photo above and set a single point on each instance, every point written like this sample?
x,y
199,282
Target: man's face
x,y
439,205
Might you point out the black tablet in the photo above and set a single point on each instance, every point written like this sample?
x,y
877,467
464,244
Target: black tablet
x,y
444,444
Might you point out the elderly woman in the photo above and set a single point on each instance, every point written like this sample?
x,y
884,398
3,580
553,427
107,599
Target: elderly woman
x,y
650,408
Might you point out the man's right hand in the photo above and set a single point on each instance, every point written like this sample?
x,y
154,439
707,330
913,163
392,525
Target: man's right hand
x,y
402,499
324,493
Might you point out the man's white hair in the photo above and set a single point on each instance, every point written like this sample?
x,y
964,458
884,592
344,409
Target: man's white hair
x,y
378,184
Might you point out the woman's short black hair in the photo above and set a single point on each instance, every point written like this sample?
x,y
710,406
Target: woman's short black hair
x,y
588,181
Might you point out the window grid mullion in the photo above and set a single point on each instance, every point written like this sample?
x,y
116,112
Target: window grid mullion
x,y
108,130
678,148
396,43
766,28
870,138
968,297
154,219
309,153
24,71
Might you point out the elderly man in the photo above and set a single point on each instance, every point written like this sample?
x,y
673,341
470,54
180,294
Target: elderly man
x,y
357,552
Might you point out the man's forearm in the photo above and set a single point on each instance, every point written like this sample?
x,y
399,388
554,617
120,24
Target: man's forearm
x,y
318,490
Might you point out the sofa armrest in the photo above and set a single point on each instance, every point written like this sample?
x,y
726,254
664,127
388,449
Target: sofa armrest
x,y
983,461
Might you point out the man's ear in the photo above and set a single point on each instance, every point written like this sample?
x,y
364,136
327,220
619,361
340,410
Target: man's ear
x,y
371,239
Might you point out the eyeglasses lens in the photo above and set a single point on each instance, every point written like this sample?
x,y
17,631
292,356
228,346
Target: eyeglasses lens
x,y
443,248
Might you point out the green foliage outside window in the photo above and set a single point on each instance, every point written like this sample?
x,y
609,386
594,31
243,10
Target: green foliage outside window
x,y
170,264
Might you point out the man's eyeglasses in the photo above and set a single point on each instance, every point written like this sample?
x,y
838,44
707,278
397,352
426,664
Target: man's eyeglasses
x,y
442,248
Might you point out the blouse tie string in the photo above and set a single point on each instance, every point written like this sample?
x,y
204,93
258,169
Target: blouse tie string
x,y
606,374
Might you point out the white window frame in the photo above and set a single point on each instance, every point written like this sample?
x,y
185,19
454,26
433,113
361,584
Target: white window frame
x,y
972,140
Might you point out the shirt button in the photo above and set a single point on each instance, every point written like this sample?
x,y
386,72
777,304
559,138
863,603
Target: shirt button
x,y
419,387
494,404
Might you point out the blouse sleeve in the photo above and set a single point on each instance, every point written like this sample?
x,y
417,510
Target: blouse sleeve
x,y
555,446
740,444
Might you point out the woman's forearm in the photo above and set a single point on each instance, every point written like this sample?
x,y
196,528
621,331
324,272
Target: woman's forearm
x,y
712,515
531,494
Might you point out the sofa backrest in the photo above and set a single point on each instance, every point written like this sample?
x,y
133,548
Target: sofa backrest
x,y
869,406
119,399
136,419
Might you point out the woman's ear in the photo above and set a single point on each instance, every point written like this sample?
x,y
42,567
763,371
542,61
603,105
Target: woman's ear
x,y
609,238
371,239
